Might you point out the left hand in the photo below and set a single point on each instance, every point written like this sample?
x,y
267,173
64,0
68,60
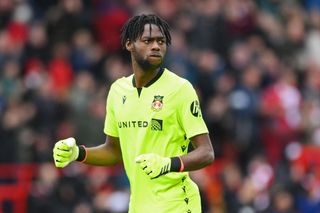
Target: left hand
x,y
154,165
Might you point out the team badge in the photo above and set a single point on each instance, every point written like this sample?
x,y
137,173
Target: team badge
x,y
157,103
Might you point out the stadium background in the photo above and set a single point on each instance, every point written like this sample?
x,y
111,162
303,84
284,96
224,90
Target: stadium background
x,y
254,64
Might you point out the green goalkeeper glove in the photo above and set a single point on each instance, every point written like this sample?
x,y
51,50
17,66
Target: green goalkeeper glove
x,y
64,152
154,165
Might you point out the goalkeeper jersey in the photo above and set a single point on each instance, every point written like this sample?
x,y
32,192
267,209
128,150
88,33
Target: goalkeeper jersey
x,y
159,118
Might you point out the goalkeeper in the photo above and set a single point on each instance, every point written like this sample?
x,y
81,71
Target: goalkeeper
x,y
151,117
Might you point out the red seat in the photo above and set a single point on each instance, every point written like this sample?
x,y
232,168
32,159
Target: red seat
x,y
15,183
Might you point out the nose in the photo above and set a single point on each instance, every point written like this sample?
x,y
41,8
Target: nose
x,y
155,46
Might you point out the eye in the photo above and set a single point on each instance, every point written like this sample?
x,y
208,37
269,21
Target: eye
x,y
161,41
147,41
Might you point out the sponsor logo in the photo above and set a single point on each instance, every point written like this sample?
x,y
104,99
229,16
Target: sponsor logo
x,y
132,124
124,98
156,124
195,109
157,103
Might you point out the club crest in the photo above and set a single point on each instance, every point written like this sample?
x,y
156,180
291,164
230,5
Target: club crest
x,y
157,103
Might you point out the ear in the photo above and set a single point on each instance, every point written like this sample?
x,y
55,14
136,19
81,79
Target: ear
x,y
129,45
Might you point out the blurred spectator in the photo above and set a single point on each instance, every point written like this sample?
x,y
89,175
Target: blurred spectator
x,y
60,70
88,104
37,44
6,8
280,107
208,29
84,53
232,180
10,82
283,202
240,18
209,68
42,189
177,57
64,19
107,22
245,104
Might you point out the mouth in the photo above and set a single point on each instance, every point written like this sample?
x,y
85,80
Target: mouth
x,y
155,55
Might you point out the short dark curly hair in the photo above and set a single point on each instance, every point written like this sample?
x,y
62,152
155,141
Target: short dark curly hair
x,y
134,27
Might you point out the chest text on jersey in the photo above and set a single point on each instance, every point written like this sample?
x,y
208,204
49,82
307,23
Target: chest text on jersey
x,y
133,124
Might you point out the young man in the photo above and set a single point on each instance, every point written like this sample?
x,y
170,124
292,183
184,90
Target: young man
x,y
151,118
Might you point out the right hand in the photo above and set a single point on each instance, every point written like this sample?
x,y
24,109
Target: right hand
x,y
64,152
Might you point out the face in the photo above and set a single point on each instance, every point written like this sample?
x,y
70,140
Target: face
x,y
149,50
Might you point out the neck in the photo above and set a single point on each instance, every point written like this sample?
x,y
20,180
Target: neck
x,y
142,77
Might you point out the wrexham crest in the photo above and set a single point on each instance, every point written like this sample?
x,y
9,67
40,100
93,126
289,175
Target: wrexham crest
x,y
157,103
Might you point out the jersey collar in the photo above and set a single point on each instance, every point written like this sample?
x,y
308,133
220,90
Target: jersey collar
x,y
159,74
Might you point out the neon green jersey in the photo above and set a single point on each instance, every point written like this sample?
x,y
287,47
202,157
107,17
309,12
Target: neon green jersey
x,y
159,119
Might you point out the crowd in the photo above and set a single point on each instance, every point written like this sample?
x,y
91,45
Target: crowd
x,y
254,64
